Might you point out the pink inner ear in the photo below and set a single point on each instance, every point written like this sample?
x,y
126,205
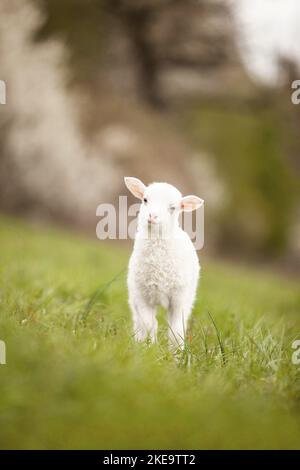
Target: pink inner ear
x,y
136,187
190,203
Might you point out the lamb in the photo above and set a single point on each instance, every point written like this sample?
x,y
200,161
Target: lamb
x,y
164,267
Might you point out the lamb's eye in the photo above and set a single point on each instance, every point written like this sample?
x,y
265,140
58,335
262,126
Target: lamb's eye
x,y
172,208
145,200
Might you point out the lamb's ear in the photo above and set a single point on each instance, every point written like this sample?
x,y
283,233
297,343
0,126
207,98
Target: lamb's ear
x,y
190,203
135,186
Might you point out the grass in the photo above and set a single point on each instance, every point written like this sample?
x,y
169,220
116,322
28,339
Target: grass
x,y
74,377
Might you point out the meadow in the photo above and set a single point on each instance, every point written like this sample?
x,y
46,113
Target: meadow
x,y
75,378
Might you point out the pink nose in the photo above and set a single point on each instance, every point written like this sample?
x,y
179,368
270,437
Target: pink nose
x,y
152,217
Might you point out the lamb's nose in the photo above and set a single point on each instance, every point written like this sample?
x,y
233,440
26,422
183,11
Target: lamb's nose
x,y
152,217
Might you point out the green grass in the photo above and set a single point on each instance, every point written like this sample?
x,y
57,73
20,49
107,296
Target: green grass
x,y
74,377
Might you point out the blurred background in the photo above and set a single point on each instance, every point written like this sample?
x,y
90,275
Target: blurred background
x,y
193,92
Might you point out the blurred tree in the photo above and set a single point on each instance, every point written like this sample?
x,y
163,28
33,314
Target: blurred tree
x,y
155,49
163,36
83,26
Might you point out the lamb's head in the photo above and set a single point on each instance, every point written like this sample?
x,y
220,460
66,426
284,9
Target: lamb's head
x,y
161,203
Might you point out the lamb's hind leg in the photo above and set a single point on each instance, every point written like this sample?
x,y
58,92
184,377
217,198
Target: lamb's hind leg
x,y
144,321
179,312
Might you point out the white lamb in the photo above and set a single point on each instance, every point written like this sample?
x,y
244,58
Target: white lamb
x,y
164,266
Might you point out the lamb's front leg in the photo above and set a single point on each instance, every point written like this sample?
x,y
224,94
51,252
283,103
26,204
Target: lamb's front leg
x,y
178,315
144,321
